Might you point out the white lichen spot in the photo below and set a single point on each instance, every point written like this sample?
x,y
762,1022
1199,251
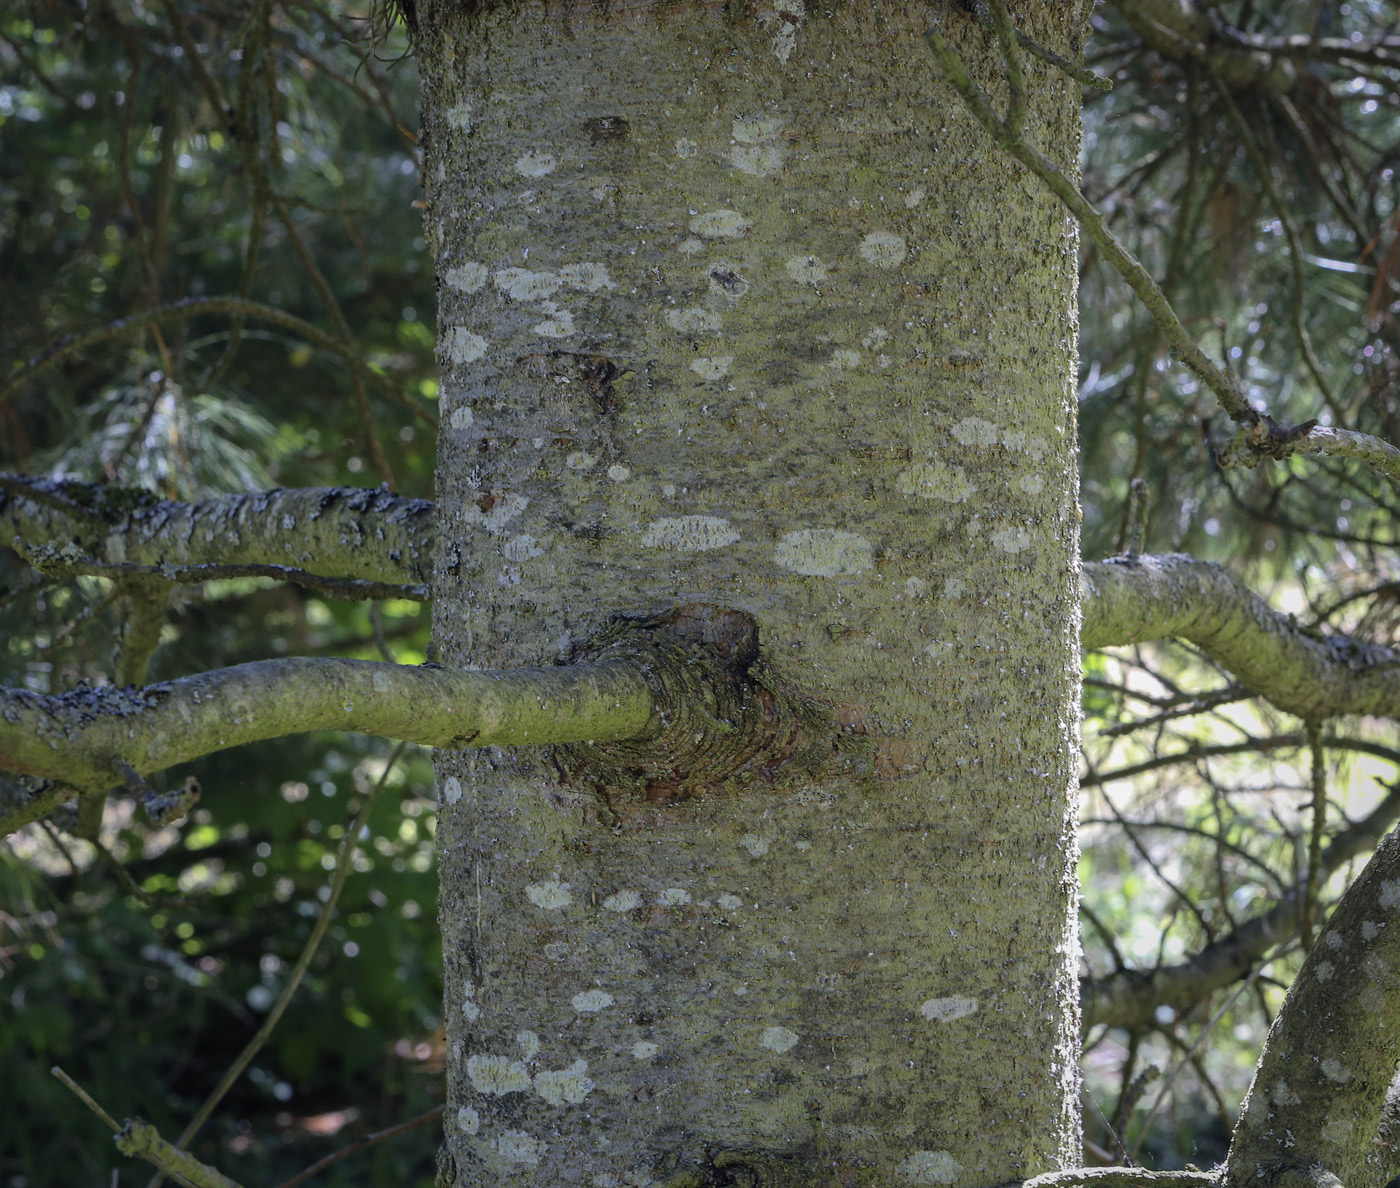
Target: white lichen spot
x,y
936,480
884,249
622,901
524,284
1324,971
521,548
461,418
494,512
586,277
498,1075
936,649
945,1010
1332,939
974,431
564,1086
824,552
930,1167
689,534
1031,484
459,116
1370,930
550,894
730,903
756,129
1283,1095
693,320
1012,539
668,490
466,278
463,346
1390,893
470,1011
468,1120
914,197
754,844
529,1044
844,359
673,897
591,1001
1335,1070
690,245
720,224
685,148
875,338
954,587
515,1146
561,325
785,20
644,1050
915,587
452,790
804,845
779,1039
619,473
759,160
806,270
534,164
712,367
581,460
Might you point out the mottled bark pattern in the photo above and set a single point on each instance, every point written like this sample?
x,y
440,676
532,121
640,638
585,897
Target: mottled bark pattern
x,y
738,308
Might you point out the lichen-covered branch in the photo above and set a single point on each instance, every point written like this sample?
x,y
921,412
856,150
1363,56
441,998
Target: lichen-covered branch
x,y
671,707
77,737
332,532
1133,600
1321,1083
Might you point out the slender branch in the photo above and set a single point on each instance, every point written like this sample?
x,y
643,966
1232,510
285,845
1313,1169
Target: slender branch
x,y
1128,998
1261,437
1224,385
192,307
356,1147
343,863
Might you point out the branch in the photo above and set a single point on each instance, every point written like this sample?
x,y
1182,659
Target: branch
x,y
78,737
1332,1051
1133,600
326,532
1129,997
1260,437
675,706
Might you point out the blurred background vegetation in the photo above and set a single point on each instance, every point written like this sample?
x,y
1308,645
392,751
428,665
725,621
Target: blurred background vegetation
x,y
248,170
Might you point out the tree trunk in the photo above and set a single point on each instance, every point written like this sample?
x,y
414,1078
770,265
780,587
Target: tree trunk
x,y
738,308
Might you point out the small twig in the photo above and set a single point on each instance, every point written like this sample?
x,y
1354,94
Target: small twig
x,y
313,942
1313,875
354,1148
84,1097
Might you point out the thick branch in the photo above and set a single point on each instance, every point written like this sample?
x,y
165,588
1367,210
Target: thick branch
x,y
1133,600
1321,1083
672,707
78,736
333,532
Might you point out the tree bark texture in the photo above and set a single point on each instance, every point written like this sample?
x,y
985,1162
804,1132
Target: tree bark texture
x,y
739,308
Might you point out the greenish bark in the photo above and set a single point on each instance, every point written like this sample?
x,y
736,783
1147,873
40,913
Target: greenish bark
x,y
1314,1109
738,305
77,737
1136,599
